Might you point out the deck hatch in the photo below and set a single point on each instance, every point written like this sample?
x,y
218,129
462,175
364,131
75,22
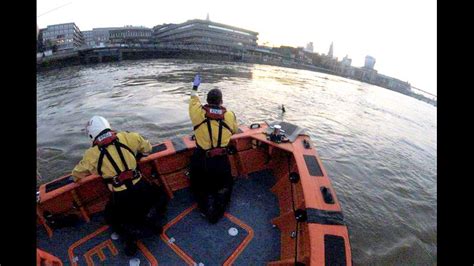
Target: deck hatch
x,y
324,217
158,148
179,145
334,250
57,184
313,166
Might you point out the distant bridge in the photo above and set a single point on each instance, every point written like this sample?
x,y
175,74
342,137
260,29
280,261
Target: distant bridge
x,y
435,97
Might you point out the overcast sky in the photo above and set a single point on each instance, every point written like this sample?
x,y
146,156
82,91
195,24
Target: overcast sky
x,y
400,34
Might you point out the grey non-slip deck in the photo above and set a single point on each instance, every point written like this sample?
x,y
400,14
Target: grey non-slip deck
x,y
251,209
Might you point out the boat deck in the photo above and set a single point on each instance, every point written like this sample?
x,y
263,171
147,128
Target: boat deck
x,y
187,238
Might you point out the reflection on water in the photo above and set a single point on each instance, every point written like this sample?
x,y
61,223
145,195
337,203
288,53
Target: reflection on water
x,y
378,146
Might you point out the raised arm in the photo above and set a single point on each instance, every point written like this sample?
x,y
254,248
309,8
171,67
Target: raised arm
x,y
195,107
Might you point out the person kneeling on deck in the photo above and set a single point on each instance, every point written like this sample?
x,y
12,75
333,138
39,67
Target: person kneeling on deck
x,y
134,202
211,178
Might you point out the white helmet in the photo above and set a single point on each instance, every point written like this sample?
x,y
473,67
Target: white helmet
x,y
96,125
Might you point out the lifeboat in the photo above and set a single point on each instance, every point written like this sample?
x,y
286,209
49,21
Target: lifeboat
x,y
283,210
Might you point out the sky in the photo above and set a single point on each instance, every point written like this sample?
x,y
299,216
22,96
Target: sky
x,y
400,34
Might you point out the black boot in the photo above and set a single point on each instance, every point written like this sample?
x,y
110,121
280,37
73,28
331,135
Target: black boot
x,y
130,248
212,210
154,220
130,240
155,227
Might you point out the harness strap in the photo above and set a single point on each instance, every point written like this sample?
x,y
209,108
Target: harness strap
x,y
227,126
123,177
99,165
198,125
210,132
120,144
107,154
119,151
115,181
219,136
103,151
222,123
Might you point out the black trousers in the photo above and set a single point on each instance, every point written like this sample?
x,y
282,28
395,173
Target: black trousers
x,y
211,183
129,210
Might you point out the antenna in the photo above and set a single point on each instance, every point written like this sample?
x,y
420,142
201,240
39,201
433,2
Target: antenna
x,y
54,9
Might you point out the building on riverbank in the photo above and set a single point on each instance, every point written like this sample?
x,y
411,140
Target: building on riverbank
x,y
102,35
205,33
98,37
131,36
88,38
294,54
309,47
66,36
331,51
39,41
346,61
369,62
198,39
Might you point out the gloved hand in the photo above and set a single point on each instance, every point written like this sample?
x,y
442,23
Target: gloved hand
x,y
196,82
140,155
73,179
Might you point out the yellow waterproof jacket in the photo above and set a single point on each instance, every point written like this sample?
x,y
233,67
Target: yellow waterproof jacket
x,y
198,115
89,163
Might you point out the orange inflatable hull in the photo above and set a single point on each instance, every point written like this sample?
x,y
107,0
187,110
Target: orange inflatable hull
x,y
322,237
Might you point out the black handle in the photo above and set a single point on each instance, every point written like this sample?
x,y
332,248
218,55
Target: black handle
x,y
254,126
327,195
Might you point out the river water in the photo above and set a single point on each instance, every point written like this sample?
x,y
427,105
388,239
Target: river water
x,y
378,146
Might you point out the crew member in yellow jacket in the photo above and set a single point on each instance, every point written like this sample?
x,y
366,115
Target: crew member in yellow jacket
x,y
134,202
211,178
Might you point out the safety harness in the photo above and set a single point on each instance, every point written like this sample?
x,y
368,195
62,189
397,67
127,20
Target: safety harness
x,y
123,177
216,113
